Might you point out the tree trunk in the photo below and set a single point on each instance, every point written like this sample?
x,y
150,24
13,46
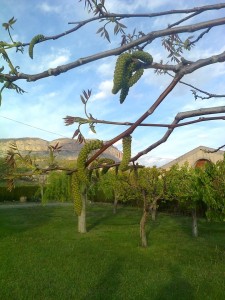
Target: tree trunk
x,y
143,229
153,207
82,218
115,204
143,222
153,213
194,223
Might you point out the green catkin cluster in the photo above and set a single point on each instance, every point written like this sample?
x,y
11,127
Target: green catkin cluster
x,y
120,69
127,71
126,153
104,162
76,194
36,39
143,56
83,156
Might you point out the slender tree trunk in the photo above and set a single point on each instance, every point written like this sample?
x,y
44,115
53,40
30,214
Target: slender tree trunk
x,y
82,218
143,229
194,223
153,212
42,193
153,207
115,204
143,222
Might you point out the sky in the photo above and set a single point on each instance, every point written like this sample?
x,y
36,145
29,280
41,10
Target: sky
x,y
40,111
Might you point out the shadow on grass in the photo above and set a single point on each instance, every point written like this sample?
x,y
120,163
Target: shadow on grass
x,y
14,221
104,216
177,288
108,284
213,232
97,216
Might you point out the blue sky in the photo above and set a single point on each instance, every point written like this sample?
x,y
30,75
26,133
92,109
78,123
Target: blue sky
x,y
48,101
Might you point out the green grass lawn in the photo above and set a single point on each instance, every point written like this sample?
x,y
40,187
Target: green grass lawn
x,y
43,257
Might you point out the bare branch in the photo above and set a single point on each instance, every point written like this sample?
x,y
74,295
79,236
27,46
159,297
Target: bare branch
x,y
116,51
216,150
184,19
199,37
158,14
177,119
139,121
210,95
106,122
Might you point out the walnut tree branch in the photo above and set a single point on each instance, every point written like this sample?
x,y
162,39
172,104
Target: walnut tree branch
x,y
116,51
216,150
210,95
177,119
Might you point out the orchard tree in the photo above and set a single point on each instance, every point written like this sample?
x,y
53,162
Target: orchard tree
x,y
133,58
118,187
213,184
151,186
189,187
57,187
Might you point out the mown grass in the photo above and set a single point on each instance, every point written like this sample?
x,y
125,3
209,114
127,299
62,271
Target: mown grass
x,y
43,257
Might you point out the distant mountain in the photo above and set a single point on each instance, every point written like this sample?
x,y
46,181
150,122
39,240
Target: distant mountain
x,y
70,148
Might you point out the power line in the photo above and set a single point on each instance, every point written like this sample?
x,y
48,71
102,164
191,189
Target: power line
x,y
25,124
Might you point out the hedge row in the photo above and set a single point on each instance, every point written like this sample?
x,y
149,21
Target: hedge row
x,y
17,192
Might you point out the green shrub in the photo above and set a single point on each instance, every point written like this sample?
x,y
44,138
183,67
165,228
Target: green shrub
x,y
17,192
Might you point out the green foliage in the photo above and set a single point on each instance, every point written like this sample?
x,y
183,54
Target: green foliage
x,y
213,183
57,188
13,70
29,191
182,183
193,186
119,186
150,180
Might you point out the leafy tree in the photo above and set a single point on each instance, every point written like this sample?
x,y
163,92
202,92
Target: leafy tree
x,y
134,58
213,183
151,187
117,186
57,187
185,185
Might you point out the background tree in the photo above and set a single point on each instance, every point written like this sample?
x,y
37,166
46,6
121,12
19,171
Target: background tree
x,y
57,187
213,184
118,188
151,187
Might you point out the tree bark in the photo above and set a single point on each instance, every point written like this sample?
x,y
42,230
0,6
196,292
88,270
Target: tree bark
x,y
194,223
115,204
82,218
153,212
143,222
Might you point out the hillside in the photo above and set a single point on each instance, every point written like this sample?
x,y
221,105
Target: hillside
x,y
39,148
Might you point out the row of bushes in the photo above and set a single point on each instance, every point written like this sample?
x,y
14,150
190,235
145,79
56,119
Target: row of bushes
x,y
19,191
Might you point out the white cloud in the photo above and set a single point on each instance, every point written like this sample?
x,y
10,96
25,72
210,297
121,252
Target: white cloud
x,y
132,6
55,58
105,91
118,144
106,69
149,160
45,7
